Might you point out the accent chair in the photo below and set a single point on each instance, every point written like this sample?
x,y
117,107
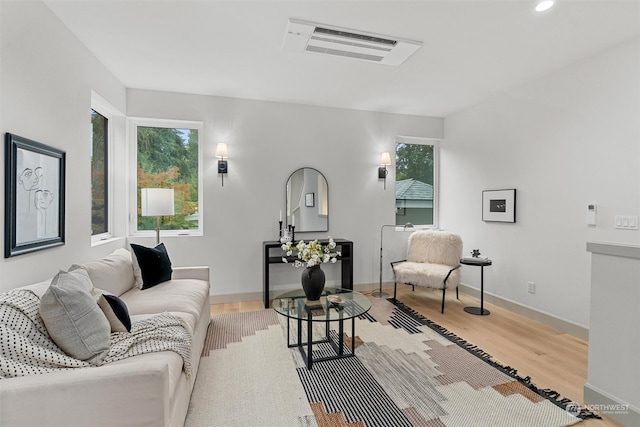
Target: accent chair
x,y
433,261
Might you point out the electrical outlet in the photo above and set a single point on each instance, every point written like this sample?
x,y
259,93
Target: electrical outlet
x,y
531,287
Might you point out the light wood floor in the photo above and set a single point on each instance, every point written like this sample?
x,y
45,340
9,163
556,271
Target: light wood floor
x,y
553,359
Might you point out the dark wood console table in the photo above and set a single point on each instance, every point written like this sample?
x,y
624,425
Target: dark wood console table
x,y
272,254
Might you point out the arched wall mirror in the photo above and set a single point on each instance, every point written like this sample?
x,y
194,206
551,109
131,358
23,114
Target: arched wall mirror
x,y
307,200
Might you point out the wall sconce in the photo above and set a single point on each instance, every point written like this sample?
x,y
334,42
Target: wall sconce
x,y
157,202
221,153
385,160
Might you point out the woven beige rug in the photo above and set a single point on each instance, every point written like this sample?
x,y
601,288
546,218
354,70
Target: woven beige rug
x,y
407,372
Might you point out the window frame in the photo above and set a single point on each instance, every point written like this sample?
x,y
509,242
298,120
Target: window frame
x,y
132,124
435,143
109,112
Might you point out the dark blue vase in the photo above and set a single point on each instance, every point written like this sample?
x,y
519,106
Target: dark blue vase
x,y
313,282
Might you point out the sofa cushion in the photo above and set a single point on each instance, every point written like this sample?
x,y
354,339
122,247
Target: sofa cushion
x,y
176,295
39,288
73,319
116,312
113,273
154,264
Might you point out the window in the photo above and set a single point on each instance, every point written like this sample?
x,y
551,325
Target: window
x,y
99,174
106,141
168,156
416,181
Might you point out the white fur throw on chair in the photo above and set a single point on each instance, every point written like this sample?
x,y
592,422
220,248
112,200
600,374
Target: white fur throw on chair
x,y
433,261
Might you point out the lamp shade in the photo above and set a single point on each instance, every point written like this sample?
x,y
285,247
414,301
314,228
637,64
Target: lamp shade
x,y
385,158
157,201
221,150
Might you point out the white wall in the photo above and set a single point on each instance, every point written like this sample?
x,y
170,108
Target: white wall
x,y
46,78
564,141
268,141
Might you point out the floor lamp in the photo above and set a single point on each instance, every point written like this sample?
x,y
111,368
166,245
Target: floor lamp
x,y
381,294
157,202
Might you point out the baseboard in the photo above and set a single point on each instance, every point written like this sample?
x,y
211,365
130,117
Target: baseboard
x,y
531,313
607,405
257,296
228,298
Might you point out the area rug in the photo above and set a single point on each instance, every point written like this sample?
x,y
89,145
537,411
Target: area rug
x,y
407,371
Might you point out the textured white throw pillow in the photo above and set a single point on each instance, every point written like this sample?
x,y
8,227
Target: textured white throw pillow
x,y
137,273
113,273
73,319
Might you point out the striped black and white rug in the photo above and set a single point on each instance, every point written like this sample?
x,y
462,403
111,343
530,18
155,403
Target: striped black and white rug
x,y
407,372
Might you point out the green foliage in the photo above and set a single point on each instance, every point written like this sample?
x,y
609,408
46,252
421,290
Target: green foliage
x,y
98,174
168,158
414,161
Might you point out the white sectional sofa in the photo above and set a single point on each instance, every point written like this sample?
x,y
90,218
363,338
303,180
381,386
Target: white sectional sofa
x,y
149,389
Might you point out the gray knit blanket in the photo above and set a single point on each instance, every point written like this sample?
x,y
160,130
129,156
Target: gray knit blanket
x,y
27,349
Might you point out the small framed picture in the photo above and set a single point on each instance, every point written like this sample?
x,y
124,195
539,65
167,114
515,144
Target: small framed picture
x,y
309,200
34,196
499,205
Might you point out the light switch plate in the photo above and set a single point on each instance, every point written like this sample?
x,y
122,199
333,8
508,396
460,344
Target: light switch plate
x,y
626,222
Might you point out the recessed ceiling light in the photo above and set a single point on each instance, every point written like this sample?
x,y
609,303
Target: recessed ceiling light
x,y
544,5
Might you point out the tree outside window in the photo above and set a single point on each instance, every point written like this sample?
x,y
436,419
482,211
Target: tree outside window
x,y
99,174
415,183
168,158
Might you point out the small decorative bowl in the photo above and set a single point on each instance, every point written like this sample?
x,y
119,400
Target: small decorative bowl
x,y
335,299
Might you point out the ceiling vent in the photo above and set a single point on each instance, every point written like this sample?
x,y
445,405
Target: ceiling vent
x,y
304,36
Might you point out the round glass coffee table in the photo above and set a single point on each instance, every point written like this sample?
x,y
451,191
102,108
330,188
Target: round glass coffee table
x,y
335,305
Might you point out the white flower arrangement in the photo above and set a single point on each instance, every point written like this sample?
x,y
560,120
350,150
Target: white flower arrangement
x,y
312,253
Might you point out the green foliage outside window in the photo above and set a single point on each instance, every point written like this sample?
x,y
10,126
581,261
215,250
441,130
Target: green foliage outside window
x,y
415,184
168,158
99,220
414,161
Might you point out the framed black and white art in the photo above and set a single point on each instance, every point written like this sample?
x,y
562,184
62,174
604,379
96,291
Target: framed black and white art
x,y
34,196
499,205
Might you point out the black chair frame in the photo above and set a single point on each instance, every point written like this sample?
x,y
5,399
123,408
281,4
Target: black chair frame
x,y
413,287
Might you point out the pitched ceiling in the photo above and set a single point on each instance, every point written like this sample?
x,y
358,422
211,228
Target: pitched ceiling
x,y
471,49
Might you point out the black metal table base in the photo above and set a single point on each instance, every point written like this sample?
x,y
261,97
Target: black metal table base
x,y
480,311
306,348
477,310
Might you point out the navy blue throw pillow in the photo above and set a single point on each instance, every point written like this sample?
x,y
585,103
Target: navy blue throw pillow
x,y
154,263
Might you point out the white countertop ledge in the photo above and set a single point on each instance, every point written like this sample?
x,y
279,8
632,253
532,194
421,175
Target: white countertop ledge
x,y
614,249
